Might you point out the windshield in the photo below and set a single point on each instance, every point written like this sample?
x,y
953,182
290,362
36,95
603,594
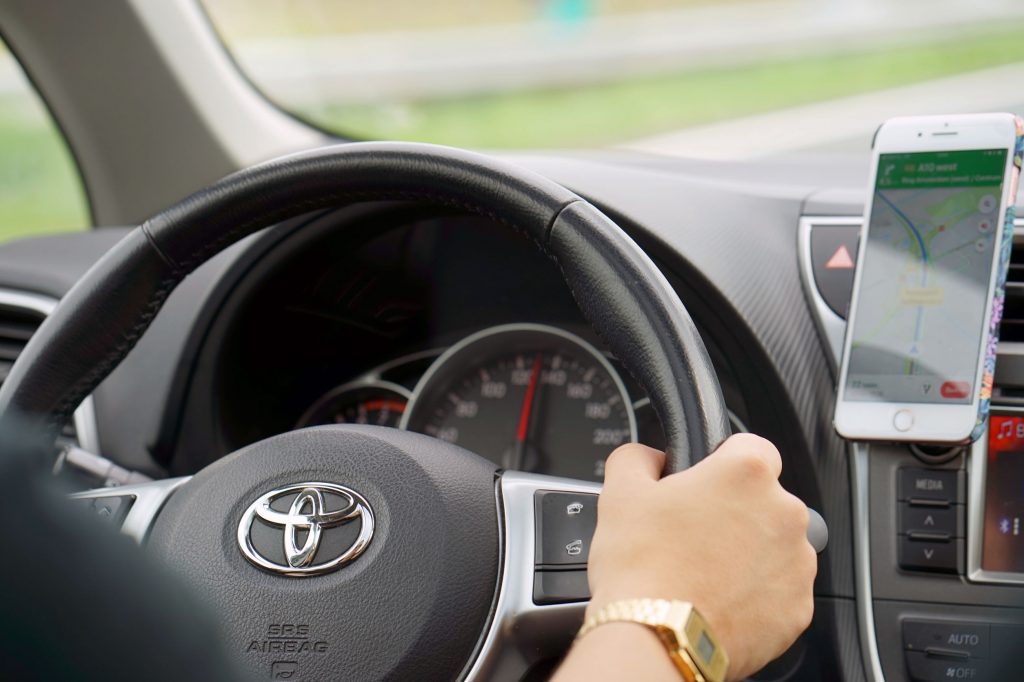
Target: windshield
x,y
40,190
714,79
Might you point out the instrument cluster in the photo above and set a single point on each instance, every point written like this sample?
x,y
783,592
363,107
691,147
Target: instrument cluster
x,y
528,397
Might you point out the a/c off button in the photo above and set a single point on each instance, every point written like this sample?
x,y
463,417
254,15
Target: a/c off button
x,y
903,420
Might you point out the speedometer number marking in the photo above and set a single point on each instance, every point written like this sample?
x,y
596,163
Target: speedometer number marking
x,y
526,397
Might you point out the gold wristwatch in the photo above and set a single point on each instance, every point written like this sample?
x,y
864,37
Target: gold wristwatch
x,y
679,626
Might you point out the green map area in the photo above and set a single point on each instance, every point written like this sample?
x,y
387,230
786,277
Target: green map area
x,y
923,290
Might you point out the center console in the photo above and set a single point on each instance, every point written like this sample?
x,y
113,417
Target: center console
x,y
939,533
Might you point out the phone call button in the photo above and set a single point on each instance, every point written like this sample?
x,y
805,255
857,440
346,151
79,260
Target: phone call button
x,y
903,420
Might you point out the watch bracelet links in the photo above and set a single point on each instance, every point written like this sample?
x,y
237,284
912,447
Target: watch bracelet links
x,y
659,615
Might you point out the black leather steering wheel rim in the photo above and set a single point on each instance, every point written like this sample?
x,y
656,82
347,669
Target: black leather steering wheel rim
x,y
617,287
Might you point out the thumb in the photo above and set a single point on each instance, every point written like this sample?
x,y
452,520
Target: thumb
x,y
632,464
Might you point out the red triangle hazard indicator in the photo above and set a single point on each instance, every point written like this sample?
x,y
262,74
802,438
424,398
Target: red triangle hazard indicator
x,y
840,260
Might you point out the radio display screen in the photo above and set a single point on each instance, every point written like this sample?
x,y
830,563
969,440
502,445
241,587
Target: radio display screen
x,y
1003,546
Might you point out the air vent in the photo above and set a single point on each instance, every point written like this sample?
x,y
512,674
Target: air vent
x,y
16,328
17,325
1012,327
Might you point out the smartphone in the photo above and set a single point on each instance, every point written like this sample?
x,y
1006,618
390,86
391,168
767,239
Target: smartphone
x,y
920,345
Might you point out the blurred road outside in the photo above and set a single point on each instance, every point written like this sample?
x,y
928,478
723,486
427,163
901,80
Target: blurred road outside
x,y
306,70
408,82
724,79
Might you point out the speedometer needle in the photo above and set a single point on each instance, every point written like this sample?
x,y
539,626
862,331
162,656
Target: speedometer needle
x,y
524,415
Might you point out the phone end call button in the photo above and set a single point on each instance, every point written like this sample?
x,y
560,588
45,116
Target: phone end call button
x,y
903,420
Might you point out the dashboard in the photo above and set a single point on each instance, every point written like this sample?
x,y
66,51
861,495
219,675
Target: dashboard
x,y
448,324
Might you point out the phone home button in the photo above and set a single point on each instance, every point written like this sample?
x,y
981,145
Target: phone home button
x,y
903,420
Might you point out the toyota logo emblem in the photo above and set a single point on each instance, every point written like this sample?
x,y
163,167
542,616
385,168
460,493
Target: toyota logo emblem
x,y
306,529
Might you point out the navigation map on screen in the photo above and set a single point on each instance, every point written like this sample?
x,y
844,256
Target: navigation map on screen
x,y
921,306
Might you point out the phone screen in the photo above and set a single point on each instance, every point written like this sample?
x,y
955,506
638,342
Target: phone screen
x,y
926,269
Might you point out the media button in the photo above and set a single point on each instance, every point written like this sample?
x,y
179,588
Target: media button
x,y
942,485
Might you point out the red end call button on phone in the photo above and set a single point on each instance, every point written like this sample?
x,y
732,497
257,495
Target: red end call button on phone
x,y
954,389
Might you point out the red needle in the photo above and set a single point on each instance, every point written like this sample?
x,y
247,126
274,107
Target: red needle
x,y
531,389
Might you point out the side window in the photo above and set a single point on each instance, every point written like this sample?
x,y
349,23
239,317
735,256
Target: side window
x,y
40,189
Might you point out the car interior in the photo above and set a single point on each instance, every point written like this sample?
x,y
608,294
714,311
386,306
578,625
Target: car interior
x,y
253,289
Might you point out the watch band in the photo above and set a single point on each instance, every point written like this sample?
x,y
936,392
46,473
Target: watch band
x,y
679,626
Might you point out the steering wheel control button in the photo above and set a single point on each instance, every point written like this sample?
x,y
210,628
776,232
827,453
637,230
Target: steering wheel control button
x,y
111,509
917,520
932,554
903,420
926,486
939,668
947,638
558,587
565,527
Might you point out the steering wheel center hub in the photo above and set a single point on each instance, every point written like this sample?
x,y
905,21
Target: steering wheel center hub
x,y
364,551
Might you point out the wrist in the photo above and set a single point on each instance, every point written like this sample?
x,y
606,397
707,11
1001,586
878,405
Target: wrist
x,y
680,628
618,651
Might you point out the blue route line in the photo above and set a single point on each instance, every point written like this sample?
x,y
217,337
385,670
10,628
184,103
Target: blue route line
x,y
913,229
924,270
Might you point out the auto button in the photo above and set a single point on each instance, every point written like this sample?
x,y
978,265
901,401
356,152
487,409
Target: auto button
x,y
972,639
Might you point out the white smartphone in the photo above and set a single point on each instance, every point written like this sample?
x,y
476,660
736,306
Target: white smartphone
x,y
919,350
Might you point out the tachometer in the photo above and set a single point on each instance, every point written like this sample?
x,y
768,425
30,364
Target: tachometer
x,y
380,403
527,397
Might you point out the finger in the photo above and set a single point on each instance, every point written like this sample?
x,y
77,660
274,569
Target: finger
x,y
754,450
631,464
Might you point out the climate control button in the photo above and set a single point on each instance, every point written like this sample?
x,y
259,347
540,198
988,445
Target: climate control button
x,y
972,639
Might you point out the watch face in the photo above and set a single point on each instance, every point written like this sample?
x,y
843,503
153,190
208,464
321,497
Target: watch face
x,y
705,648
701,647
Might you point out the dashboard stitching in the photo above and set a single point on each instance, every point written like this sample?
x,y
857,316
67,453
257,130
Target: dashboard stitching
x,y
87,383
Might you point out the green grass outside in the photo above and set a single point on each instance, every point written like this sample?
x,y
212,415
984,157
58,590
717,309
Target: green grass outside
x,y
603,114
40,191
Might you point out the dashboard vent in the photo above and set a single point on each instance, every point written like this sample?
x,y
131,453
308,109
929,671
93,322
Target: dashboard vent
x,y
1012,327
17,326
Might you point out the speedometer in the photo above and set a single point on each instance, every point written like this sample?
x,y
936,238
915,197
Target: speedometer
x,y
527,397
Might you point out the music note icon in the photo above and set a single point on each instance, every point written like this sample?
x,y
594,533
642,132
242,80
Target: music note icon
x,y
1005,429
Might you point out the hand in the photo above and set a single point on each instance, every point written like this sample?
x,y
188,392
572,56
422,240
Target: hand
x,y
723,535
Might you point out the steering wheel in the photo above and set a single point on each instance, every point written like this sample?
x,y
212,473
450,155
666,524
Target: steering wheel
x,y
345,552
